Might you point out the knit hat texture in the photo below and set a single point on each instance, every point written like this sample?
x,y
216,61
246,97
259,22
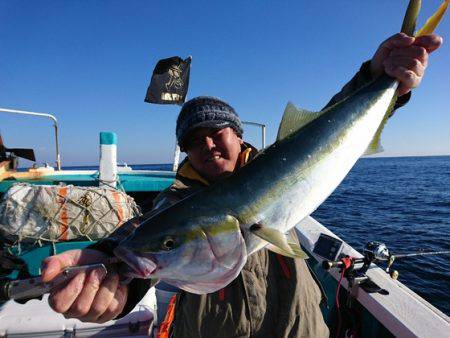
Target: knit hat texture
x,y
206,112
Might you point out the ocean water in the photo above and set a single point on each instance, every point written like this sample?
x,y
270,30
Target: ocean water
x,y
403,202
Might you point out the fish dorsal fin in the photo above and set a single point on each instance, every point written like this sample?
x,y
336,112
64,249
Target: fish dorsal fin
x,y
278,241
293,119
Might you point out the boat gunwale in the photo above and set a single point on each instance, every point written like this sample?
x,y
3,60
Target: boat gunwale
x,y
422,320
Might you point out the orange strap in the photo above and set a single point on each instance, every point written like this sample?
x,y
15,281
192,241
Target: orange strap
x,y
117,199
164,328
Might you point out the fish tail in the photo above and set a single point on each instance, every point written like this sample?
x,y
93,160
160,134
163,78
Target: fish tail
x,y
434,20
410,19
408,27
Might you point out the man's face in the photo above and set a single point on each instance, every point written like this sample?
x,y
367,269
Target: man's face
x,y
213,152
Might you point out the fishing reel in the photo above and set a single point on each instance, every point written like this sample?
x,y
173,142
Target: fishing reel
x,y
330,248
354,272
373,252
378,252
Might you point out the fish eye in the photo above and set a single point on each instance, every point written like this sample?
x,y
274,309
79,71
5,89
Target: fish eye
x,y
168,243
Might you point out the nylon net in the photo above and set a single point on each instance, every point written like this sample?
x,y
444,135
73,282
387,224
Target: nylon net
x,y
36,213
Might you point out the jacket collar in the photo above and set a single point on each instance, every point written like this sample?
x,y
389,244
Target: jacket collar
x,y
186,170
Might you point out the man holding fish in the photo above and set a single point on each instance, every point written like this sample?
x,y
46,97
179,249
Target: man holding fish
x,y
238,288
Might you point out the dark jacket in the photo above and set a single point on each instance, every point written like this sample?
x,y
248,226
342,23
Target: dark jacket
x,y
273,296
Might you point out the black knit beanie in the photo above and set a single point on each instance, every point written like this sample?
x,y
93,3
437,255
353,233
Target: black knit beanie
x,y
206,112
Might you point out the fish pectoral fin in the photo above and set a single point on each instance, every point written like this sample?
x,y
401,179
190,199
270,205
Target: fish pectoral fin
x,y
293,119
278,241
297,252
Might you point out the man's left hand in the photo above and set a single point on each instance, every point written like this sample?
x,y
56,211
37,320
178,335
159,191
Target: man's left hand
x,y
404,58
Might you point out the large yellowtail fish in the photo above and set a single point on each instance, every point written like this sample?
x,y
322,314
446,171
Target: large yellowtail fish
x,y
201,243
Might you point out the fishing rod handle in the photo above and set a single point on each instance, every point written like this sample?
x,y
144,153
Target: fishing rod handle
x,y
327,265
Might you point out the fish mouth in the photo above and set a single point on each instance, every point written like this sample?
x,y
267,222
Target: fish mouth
x,y
142,267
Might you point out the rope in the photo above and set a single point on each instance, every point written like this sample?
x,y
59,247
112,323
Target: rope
x,y
347,263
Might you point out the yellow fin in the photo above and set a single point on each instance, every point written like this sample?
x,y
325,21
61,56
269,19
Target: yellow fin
x,y
293,119
434,20
278,241
375,145
297,251
408,28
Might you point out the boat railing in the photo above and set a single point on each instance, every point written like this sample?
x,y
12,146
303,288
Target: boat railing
x,y
263,131
50,116
176,158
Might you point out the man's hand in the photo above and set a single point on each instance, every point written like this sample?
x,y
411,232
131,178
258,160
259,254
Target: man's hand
x,y
404,58
91,296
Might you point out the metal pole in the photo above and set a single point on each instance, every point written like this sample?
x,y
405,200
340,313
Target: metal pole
x,y
58,156
55,124
263,131
263,127
176,157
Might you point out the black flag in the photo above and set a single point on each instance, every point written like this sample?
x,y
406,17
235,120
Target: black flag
x,y
170,81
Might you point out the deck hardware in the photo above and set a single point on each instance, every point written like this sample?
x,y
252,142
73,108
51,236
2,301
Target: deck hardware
x,y
55,125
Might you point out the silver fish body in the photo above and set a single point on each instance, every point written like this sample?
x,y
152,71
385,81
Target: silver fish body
x,y
210,233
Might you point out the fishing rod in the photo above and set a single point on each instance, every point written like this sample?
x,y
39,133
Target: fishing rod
x,y
374,252
420,253
393,257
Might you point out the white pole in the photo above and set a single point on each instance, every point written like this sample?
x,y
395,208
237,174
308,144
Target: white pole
x,y
263,128
108,160
176,158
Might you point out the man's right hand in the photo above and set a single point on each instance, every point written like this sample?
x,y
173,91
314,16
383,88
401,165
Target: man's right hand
x,y
89,296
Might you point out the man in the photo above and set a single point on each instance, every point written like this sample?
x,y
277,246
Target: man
x,y
252,305
272,295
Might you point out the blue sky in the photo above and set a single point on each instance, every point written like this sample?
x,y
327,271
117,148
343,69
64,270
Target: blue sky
x,y
90,62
